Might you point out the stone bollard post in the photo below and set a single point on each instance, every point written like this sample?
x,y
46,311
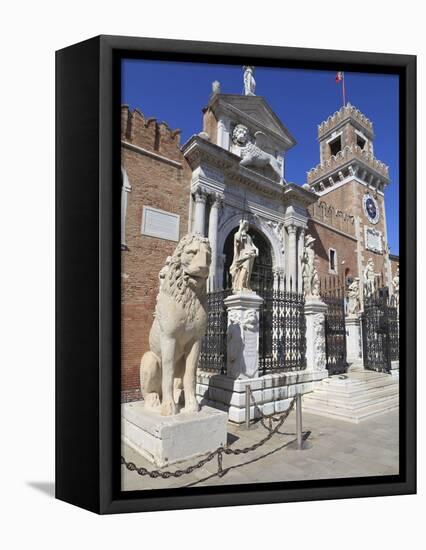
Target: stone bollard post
x,y
315,310
243,334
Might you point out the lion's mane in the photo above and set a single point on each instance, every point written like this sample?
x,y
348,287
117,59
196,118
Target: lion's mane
x,y
176,280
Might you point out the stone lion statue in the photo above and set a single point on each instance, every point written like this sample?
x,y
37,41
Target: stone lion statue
x,y
240,135
252,154
178,328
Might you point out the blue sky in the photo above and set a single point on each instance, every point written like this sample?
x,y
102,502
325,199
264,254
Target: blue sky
x,y
175,92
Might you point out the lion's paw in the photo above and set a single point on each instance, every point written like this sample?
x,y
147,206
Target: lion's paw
x,y
168,408
191,407
152,400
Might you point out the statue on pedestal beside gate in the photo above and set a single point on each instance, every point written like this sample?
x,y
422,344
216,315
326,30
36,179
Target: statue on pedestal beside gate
x,y
369,279
354,301
395,285
245,253
311,282
179,325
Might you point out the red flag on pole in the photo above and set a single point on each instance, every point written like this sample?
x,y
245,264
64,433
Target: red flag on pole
x,y
340,77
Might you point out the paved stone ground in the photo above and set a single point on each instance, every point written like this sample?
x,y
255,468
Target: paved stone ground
x,y
333,449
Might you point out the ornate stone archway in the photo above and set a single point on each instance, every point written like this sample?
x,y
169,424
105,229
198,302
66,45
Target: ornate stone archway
x,y
262,274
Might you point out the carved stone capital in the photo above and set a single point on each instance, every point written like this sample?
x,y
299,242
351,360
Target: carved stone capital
x,y
217,200
200,195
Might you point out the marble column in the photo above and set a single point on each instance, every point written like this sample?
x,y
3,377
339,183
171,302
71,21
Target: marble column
x,y
200,198
292,258
300,248
213,225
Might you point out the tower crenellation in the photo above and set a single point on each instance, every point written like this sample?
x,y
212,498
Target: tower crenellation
x,y
346,152
348,111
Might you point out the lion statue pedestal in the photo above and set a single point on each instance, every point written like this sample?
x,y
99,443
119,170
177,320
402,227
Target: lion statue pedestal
x,y
168,426
165,440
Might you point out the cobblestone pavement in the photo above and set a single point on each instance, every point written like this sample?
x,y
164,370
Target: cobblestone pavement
x,y
333,449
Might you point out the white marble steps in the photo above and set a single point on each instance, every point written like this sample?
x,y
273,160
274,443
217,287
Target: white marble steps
x,y
353,397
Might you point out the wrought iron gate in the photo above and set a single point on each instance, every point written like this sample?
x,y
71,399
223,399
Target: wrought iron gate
x,y
380,331
282,327
213,347
282,345
282,340
333,294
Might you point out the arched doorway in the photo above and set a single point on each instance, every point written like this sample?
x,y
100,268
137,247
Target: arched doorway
x,y
262,275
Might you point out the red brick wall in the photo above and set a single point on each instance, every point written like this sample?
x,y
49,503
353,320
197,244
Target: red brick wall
x,y
345,247
162,185
348,198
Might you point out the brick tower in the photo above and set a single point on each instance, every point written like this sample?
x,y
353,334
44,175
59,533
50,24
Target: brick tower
x,y
350,183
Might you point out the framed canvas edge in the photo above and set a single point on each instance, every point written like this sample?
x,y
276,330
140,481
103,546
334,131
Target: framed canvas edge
x,y
111,500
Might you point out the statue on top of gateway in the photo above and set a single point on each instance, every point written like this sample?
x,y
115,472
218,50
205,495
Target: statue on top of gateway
x,y
249,81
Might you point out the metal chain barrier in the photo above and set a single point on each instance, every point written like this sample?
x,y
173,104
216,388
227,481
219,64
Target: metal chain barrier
x,y
219,452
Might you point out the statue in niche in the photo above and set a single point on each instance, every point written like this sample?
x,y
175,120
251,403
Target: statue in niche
x,y
249,81
369,279
354,301
395,285
245,253
179,325
311,282
253,154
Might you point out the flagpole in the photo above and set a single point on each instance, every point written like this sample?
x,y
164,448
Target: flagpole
x,y
343,90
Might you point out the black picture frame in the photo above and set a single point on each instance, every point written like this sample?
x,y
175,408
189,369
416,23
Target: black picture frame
x,y
88,275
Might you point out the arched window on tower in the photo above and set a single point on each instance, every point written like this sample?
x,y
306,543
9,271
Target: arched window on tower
x,y
125,188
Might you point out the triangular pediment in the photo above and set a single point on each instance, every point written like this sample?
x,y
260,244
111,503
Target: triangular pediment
x,y
253,110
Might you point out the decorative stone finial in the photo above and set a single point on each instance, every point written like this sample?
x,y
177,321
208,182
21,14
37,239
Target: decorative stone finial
x,y
216,87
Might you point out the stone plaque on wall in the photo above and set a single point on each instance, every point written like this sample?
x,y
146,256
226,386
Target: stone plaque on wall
x,y
160,224
373,240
